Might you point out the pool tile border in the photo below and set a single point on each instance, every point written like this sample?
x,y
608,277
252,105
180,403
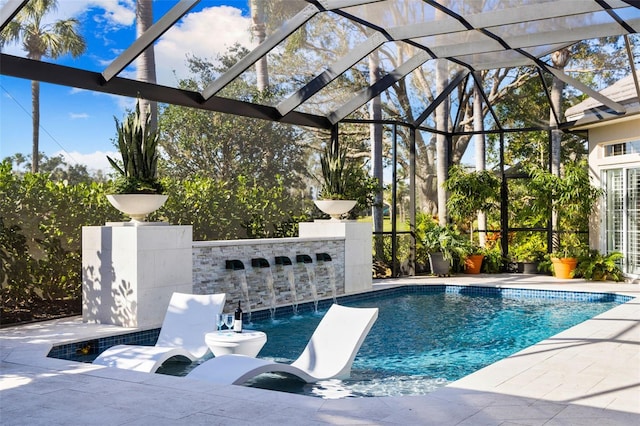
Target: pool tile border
x,y
87,350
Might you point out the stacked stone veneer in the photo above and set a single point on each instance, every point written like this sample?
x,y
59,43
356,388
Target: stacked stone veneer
x,y
129,272
211,276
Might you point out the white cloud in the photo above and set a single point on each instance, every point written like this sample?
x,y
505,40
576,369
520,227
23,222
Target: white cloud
x,y
78,115
113,13
203,34
94,160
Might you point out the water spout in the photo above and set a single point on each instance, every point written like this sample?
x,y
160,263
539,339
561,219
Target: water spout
x,y
260,262
234,265
283,260
245,294
272,293
292,285
303,258
323,257
332,280
239,277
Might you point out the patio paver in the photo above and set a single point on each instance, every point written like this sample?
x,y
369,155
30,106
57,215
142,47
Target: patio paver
x,y
587,375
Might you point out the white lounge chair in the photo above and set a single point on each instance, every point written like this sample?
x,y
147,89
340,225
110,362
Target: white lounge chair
x,y
188,318
329,353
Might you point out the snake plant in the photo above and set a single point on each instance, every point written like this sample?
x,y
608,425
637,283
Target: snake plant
x,y
137,143
336,172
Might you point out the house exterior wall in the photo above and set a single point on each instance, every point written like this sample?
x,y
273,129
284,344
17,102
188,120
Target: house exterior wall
x,y
601,135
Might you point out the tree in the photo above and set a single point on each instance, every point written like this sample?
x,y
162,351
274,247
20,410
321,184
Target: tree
x,y
224,146
146,62
57,169
259,30
42,39
556,113
375,130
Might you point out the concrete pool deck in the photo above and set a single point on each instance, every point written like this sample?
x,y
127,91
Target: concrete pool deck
x,y
587,375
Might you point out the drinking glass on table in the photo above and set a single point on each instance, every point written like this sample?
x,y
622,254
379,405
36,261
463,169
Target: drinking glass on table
x,y
228,321
219,321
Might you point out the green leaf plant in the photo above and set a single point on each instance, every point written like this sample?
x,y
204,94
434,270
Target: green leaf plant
x,y
595,266
336,172
137,143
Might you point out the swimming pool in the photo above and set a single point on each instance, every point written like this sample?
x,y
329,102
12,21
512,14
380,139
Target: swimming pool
x,y
421,342
424,338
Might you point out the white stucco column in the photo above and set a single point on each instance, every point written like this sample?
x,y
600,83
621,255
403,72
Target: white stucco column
x,y
130,272
358,248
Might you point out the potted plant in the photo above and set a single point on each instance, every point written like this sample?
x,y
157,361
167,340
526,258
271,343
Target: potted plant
x,y
565,259
595,266
572,197
343,185
445,246
528,254
470,193
137,190
473,260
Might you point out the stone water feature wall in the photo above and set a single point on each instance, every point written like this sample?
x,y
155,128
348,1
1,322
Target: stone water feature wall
x,y
210,273
130,271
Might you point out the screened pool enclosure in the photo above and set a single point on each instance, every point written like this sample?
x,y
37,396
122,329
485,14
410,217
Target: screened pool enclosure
x,y
430,83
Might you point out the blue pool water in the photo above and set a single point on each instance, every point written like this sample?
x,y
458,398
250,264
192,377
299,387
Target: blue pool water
x,y
425,336
422,342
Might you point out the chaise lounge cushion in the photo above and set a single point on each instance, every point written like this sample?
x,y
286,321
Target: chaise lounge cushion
x,y
188,318
329,353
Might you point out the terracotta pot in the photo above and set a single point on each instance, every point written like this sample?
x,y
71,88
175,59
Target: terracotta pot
x,y
563,268
473,263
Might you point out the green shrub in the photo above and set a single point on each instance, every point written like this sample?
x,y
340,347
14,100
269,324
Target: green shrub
x,y
595,266
41,225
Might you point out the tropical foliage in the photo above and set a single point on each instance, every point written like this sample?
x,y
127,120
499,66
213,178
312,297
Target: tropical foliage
x,y
572,196
432,237
41,38
596,266
336,172
471,192
40,235
531,247
138,146
41,224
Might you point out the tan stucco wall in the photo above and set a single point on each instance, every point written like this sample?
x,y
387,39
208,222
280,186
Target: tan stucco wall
x,y
616,131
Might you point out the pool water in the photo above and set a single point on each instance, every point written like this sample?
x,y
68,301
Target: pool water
x,y
422,342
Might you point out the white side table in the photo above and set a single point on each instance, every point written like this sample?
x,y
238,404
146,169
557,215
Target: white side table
x,y
247,343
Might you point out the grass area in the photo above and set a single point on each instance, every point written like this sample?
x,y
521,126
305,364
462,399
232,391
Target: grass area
x,y
402,226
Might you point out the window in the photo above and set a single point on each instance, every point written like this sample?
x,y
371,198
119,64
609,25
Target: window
x,y
622,215
631,147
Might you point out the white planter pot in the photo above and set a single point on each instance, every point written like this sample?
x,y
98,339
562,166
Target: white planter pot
x,y
335,208
137,206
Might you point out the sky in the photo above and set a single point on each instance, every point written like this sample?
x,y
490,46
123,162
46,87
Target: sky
x,y
79,124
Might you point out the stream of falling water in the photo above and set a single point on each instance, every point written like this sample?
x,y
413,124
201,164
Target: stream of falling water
x,y
272,293
292,285
331,269
242,277
311,274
